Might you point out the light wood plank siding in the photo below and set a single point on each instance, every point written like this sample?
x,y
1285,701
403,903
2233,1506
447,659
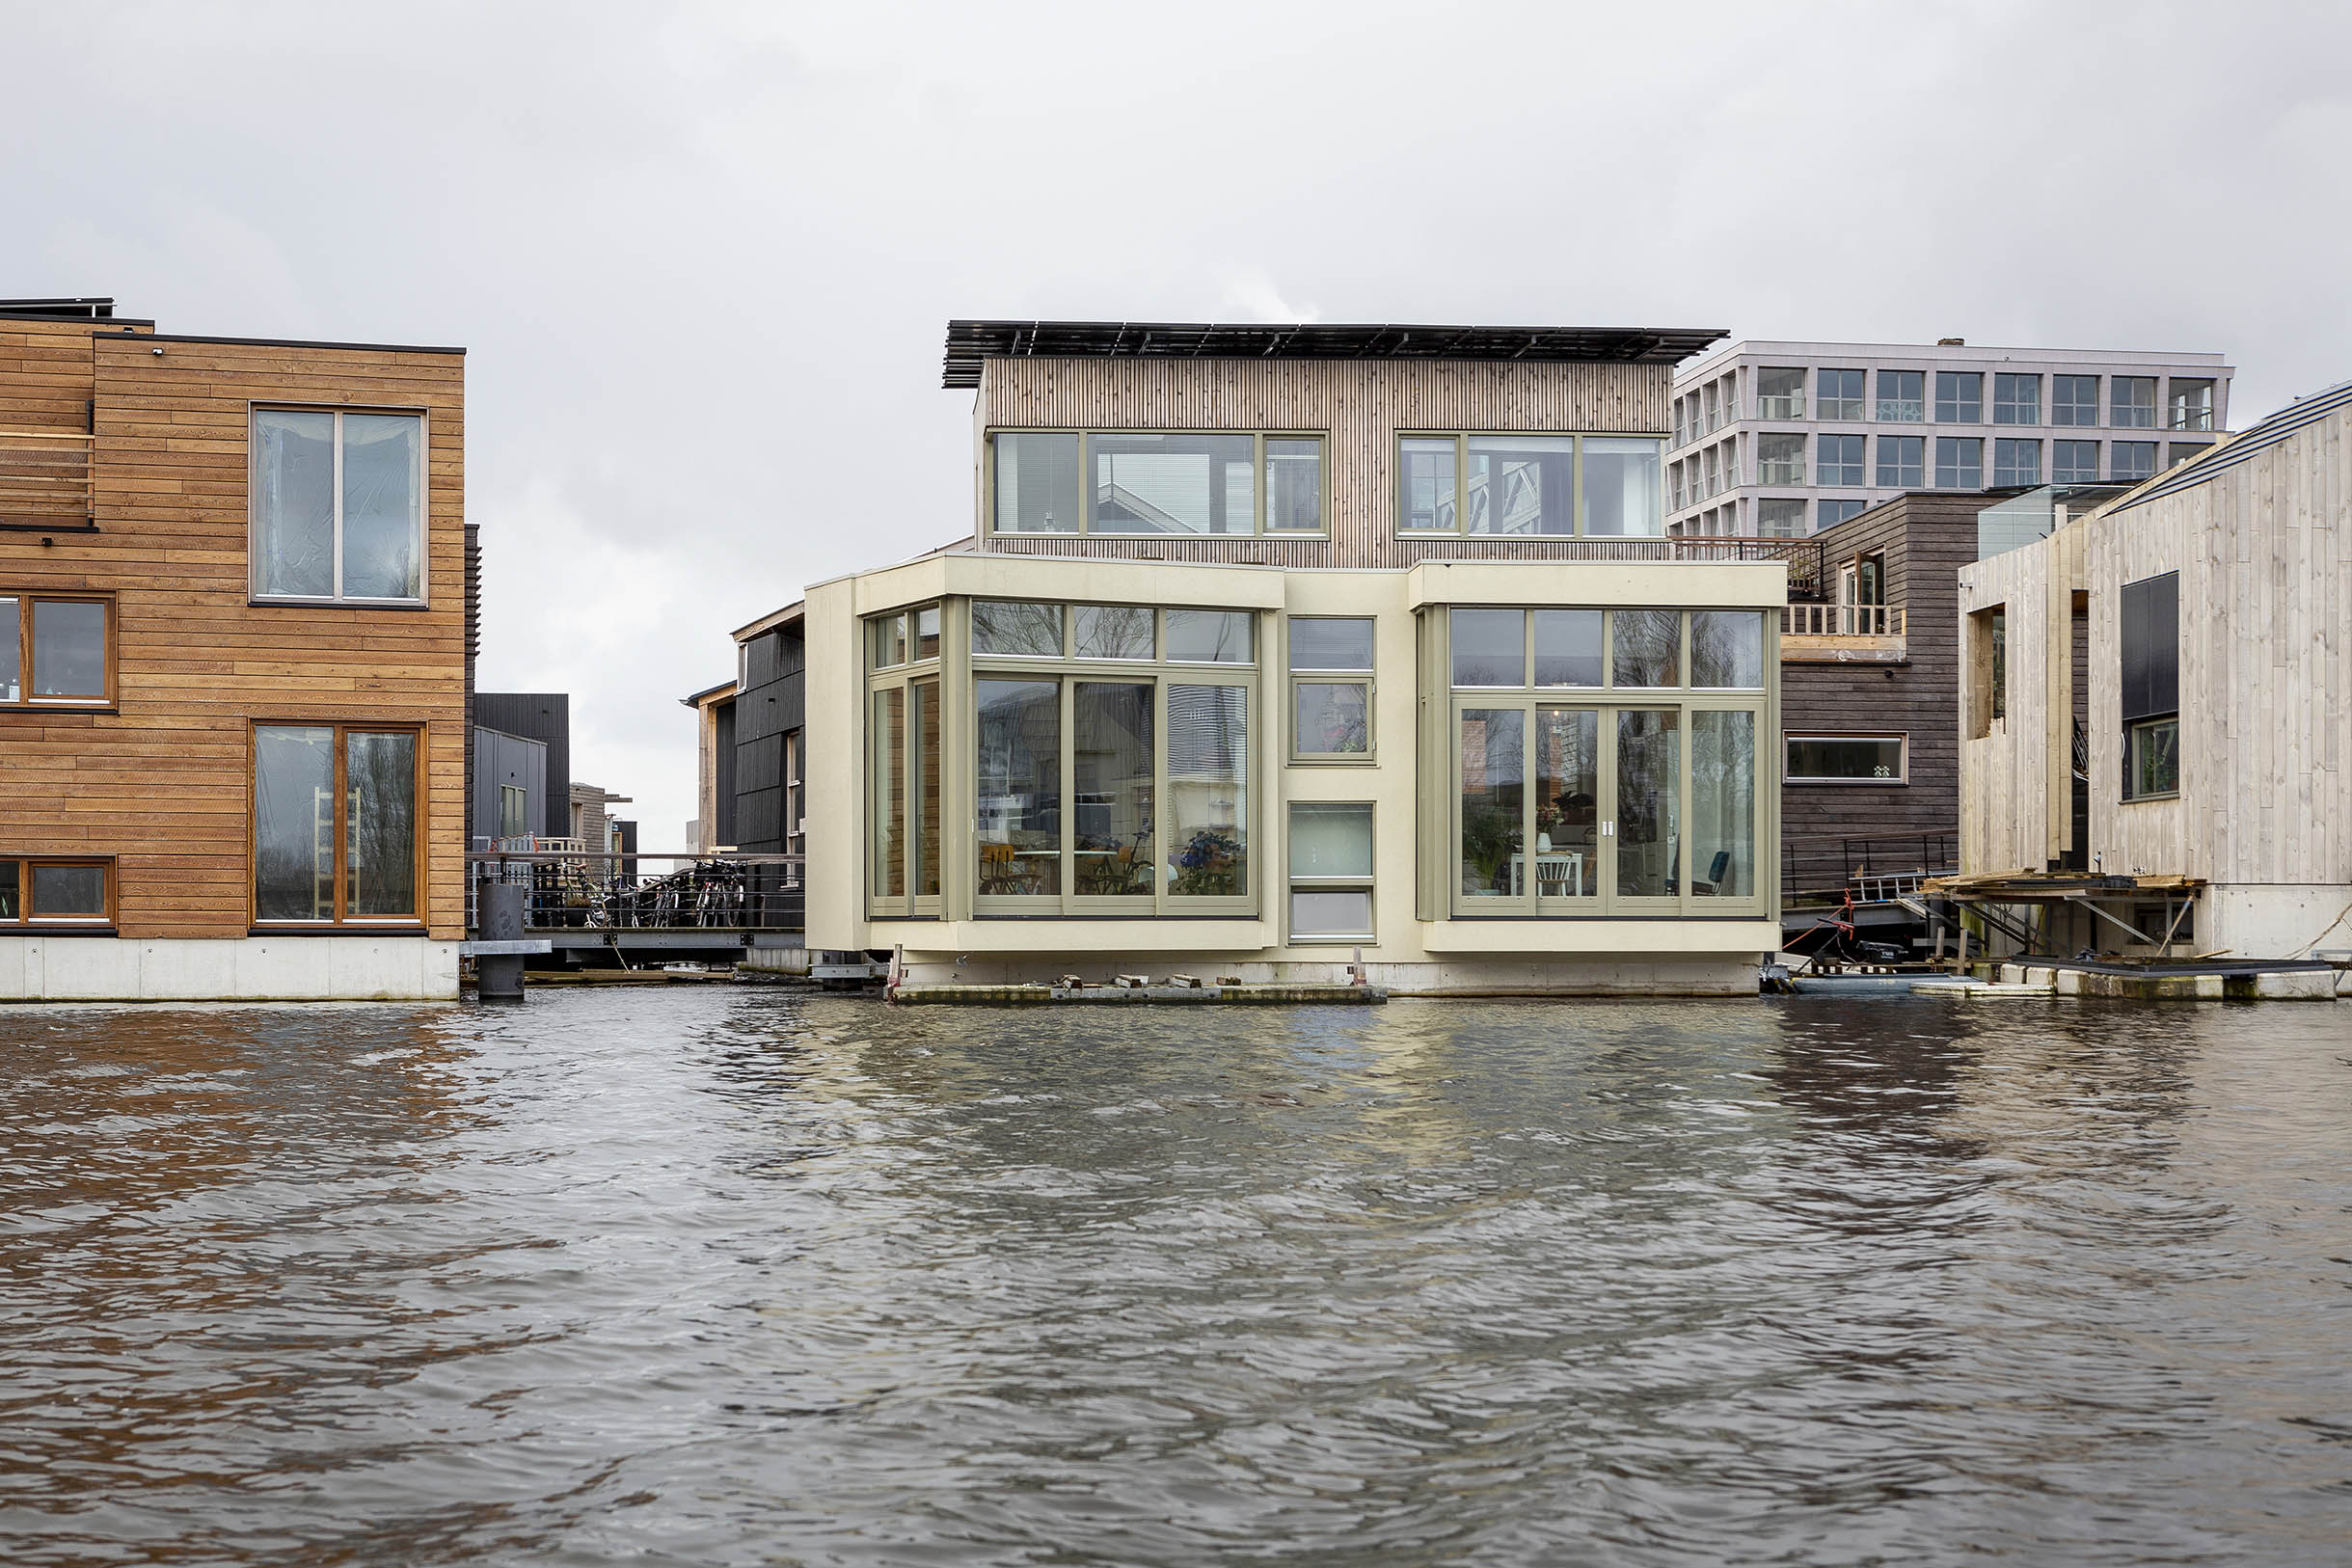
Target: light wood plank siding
x,y
162,783
1360,405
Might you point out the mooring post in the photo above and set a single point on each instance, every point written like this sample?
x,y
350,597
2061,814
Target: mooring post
x,y
499,912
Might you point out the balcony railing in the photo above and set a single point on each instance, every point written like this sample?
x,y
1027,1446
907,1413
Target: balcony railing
x,y
1841,621
45,477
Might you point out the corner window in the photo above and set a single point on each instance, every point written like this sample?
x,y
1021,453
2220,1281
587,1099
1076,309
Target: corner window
x,y
1839,396
1959,463
1960,398
2189,405
2015,399
336,827
1846,758
1533,485
338,505
1780,393
2074,400
1187,483
1902,396
56,650
2149,693
1330,687
1901,462
2131,402
1330,872
45,891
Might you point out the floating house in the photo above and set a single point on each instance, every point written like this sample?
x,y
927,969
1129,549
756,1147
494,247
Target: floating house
x,y
237,616
2152,702
1275,649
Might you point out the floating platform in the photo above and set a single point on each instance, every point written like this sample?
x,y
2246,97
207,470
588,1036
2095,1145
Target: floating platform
x,y
1980,991
1341,995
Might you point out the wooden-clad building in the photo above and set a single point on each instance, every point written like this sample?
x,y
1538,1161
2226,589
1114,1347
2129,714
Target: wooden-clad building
x,y
2155,692
235,634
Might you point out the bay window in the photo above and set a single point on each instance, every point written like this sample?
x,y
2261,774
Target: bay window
x,y
1607,761
338,505
1532,485
337,829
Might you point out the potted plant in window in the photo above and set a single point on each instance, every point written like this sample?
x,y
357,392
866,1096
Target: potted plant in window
x,y
1208,865
1490,835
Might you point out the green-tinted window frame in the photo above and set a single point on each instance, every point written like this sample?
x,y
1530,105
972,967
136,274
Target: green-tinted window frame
x,y
1297,675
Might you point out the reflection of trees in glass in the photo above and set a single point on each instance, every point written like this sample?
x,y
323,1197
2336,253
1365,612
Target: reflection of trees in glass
x,y
1494,790
294,823
1111,751
381,775
1649,746
1114,632
1646,647
1489,647
1726,648
1004,627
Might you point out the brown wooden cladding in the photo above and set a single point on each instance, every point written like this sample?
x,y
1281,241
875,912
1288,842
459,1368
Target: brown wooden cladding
x,y
1360,405
1925,540
160,782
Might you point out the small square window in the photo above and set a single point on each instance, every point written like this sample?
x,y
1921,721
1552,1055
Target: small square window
x,y
1960,398
2016,399
1839,396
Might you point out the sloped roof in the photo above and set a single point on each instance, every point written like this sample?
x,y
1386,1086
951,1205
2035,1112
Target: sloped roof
x,y
2234,449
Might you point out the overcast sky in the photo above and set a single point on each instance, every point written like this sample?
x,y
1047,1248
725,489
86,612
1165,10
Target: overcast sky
x,y
703,256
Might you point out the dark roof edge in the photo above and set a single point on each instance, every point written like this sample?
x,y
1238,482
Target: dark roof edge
x,y
695,701
102,322
295,342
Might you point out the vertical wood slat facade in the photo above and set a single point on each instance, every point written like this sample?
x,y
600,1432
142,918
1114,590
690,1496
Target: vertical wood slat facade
x,y
161,781
1360,406
2264,552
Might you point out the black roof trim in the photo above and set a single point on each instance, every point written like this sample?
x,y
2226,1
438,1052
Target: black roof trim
x,y
969,343
85,307
295,343
125,322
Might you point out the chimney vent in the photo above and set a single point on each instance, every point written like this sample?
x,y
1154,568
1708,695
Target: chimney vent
x,y
1951,342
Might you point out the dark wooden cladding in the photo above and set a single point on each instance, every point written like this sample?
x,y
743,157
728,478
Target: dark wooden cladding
x,y
771,704
161,782
1360,407
1925,539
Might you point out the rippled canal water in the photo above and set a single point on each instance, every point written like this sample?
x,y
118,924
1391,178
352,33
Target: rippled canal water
x,y
731,1276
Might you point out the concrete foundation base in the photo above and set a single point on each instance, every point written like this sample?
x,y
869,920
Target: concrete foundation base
x,y
232,969
1584,975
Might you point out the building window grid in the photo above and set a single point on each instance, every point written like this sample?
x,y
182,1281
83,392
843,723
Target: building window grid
x,y
2131,402
1612,477
1838,396
1284,466
2016,462
2074,400
1901,462
2016,399
1959,463
1960,398
1901,397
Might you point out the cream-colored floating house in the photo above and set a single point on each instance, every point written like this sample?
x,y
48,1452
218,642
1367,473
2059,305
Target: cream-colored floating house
x,y
2158,690
1276,645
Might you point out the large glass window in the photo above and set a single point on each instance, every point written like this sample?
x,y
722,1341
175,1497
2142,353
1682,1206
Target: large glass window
x,y
54,651
1831,513
2131,402
1838,459
1122,780
336,823
2148,686
1901,462
2074,400
1640,793
2016,462
1330,687
2016,399
338,505
1959,462
1780,458
1530,485
1902,396
2189,404
1780,517
1839,396
1780,393
1185,483
2075,462
1330,872
1960,398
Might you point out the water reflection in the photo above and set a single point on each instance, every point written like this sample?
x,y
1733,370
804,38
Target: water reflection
x,y
733,1275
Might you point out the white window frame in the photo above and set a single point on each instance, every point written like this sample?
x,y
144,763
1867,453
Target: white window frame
x,y
1901,739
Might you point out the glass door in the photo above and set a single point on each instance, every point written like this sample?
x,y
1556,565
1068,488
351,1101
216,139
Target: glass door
x,y
1564,867
1641,823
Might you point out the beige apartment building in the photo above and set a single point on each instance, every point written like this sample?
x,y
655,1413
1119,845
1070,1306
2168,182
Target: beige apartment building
x,y
1278,647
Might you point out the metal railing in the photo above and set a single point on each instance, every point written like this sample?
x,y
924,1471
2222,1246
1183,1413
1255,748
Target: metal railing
x,y
1841,621
570,890
45,477
1873,869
